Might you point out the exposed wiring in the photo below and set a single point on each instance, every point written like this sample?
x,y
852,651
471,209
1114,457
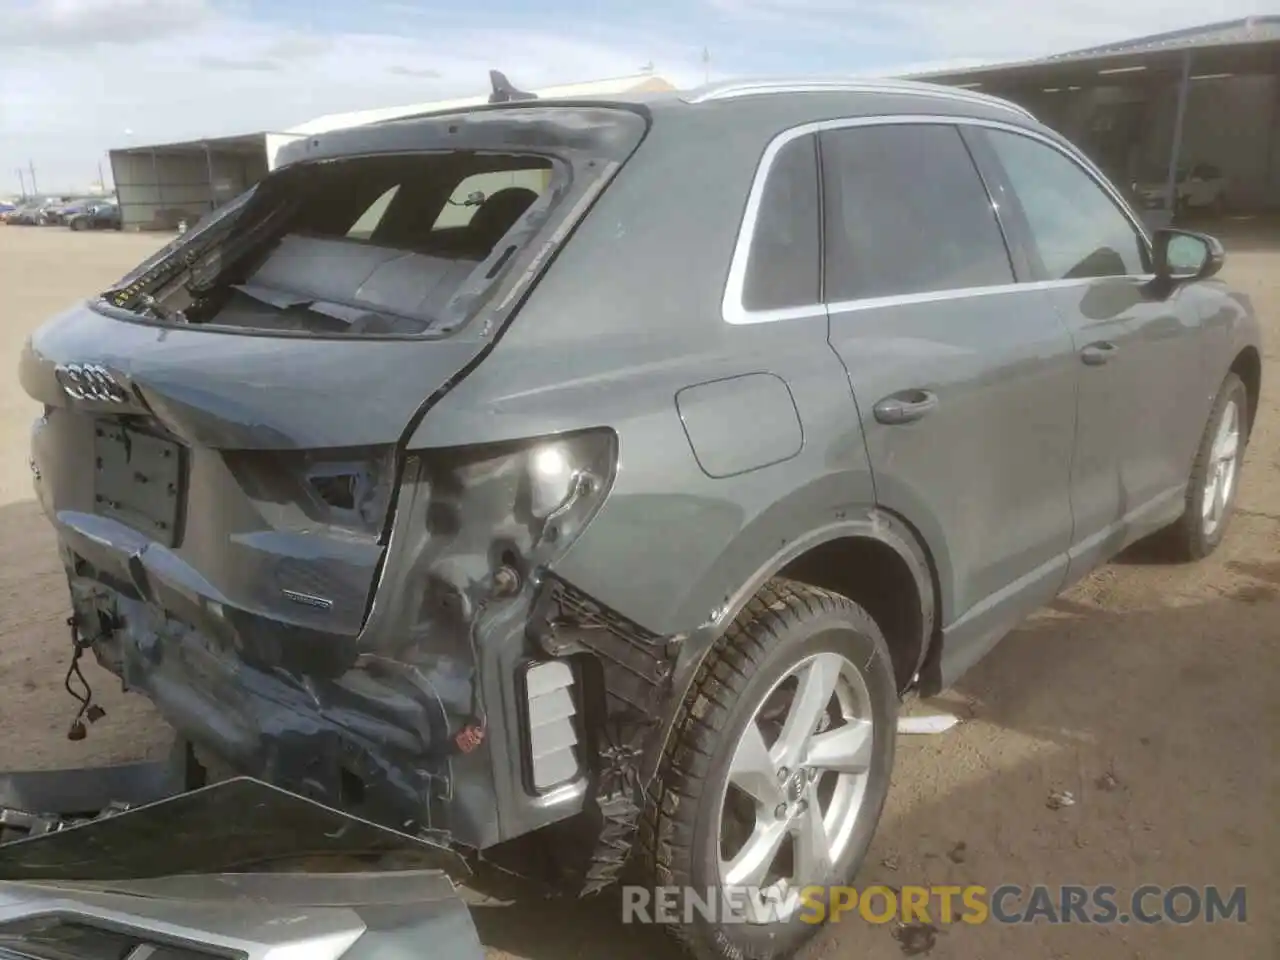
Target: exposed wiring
x,y
473,732
88,709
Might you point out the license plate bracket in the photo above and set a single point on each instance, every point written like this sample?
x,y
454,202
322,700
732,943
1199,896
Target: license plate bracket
x,y
138,480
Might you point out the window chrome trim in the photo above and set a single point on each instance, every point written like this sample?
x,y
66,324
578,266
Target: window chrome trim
x,y
732,309
964,293
735,89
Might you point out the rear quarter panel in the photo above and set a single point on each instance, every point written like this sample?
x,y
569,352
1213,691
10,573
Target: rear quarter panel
x,y
627,319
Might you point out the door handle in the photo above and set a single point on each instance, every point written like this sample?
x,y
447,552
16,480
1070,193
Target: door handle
x,y
1096,354
905,407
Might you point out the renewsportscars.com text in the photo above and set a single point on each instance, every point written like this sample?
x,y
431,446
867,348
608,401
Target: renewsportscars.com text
x,y
943,904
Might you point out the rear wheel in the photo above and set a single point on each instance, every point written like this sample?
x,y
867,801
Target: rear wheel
x,y
776,772
1215,475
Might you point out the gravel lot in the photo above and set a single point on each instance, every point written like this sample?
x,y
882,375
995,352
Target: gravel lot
x,y
1148,692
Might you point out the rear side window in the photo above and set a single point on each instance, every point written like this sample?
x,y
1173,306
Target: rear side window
x,y
784,264
363,228
906,212
1077,229
471,193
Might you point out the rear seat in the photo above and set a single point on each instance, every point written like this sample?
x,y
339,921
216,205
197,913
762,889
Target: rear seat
x,y
312,268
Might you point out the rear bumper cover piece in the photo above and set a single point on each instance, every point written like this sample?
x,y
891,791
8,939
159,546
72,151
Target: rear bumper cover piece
x,y
226,870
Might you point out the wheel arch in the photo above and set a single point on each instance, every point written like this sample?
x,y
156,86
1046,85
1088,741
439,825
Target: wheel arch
x,y
1247,365
876,559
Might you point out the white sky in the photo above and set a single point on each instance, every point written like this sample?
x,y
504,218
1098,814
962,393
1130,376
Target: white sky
x,y
78,77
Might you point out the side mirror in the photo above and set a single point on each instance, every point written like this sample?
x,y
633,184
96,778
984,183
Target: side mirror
x,y
1183,256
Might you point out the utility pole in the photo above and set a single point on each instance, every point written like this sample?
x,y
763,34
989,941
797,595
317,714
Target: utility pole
x,y
706,65
22,182
32,167
102,184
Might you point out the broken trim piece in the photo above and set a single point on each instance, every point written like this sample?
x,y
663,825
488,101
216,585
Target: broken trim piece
x,y
89,790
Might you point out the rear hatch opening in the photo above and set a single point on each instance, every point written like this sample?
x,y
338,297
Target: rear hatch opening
x,y
400,244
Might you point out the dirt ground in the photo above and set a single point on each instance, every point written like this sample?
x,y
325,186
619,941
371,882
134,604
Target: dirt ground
x,y
1148,692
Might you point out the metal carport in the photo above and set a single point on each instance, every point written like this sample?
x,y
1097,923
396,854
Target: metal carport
x,y
158,186
1208,94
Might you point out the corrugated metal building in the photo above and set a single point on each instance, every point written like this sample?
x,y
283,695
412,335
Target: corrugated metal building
x,y
162,184
1163,105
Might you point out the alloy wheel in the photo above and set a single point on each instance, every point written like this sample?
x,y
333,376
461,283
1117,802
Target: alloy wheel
x,y
1224,463
795,788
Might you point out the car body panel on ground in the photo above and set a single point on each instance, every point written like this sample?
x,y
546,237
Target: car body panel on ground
x,y
239,867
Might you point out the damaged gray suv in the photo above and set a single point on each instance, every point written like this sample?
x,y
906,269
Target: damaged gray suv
x,y
610,469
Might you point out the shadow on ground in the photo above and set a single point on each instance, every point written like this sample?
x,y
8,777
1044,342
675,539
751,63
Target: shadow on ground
x,y
1157,723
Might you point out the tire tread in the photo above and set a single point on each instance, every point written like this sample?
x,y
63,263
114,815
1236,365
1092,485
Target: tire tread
x,y
667,823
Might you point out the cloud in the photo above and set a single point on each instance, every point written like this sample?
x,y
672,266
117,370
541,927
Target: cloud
x,y
424,72
69,23
298,46
211,62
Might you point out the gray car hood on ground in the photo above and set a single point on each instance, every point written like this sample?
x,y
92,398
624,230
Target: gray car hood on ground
x,y
245,867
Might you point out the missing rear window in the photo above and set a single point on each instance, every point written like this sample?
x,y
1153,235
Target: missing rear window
x,y
374,245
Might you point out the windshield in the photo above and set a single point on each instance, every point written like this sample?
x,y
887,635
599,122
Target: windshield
x,y
367,245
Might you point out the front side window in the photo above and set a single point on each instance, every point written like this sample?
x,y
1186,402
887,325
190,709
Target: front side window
x,y
783,266
1077,229
907,213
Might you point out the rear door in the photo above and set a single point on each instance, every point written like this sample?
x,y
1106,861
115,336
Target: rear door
x,y
1139,354
965,379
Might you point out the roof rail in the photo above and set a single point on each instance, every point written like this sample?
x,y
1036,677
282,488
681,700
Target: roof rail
x,y
733,89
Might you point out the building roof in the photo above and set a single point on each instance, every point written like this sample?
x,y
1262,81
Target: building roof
x,y
1251,45
248,143
639,83
1225,33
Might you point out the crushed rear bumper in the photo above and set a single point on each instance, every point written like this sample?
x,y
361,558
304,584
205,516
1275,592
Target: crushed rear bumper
x,y
373,739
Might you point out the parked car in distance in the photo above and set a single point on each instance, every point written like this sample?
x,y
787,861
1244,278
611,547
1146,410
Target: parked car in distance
x,y
99,215
622,507
36,212
59,213
1200,187
22,214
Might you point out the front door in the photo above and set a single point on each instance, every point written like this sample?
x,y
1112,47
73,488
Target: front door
x,y
965,379
1138,353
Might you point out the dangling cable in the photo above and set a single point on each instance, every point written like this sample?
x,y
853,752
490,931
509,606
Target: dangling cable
x,y
88,709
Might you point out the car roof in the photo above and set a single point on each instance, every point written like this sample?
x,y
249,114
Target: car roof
x,y
862,92
749,110
862,88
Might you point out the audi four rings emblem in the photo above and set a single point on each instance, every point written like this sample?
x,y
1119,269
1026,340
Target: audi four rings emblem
x,y
90,381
